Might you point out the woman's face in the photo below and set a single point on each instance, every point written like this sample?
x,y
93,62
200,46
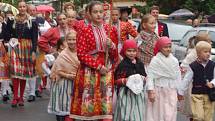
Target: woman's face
x,y
71,41
62,21
149,26
166,50
22,7
97,14
131,53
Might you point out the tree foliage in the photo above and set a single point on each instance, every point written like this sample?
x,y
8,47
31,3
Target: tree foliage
x,y
168,6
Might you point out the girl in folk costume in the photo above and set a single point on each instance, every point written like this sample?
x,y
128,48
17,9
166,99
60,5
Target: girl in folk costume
x,y
92,97
71,19
130,105
163,77
124,29
146,39
22,33
4,65
85,22
62,75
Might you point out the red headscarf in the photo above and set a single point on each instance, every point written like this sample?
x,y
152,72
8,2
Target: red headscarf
x,y
128,44
161,42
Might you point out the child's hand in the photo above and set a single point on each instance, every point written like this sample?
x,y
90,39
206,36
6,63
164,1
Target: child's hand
x,y
103,70
180,97
183,70
210,85
151,96
34,57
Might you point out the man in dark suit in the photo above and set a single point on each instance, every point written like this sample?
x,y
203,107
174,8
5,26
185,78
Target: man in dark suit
x,y
161,28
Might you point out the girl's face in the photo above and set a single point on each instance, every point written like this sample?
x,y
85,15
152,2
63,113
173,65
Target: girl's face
x,y
22,7
97,14
166,50
149,26
204,54
68,8
71,17
131,53
71,41
62,21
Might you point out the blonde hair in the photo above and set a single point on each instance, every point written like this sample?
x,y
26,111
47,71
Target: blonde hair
x,y
202,45
202,37
145,19
70,32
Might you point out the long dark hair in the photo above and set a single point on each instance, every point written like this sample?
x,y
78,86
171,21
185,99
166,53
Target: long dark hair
x,y
92,4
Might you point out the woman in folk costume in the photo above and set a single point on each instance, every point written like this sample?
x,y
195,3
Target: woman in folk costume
x,y
62,75
130,105
4,65
92,97
22,33
48,41
146,39
164,76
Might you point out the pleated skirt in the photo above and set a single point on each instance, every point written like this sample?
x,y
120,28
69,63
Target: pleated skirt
x,y
60,97
129,106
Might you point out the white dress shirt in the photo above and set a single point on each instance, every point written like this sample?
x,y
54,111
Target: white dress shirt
x,y
188,79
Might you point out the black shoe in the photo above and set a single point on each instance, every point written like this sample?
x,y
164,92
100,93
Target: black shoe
x,y
31,98
5,98
38,93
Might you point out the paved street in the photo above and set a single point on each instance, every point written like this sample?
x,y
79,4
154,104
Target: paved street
x,y
36,111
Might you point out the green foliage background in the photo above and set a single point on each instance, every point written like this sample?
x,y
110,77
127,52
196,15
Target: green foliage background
x,y
166,6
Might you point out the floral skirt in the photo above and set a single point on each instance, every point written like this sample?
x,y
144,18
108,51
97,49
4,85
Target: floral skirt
x,y
40,59
22,66
92,97
4,68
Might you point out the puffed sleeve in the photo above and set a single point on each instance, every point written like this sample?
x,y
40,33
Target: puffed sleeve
x,y
83,48
131,30
114,51
34,36
46,40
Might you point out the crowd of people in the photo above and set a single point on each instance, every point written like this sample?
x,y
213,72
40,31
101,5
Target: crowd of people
x,y
103,71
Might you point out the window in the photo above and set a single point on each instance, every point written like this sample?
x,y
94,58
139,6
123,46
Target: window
x,y
212,35
187,36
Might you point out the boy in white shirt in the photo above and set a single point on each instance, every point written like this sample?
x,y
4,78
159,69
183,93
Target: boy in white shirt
x,y
202,72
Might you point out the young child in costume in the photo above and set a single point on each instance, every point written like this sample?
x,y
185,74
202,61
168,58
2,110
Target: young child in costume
x,y
164,76
130,103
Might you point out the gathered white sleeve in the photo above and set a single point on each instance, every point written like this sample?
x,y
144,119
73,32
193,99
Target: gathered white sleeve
x,y
213,81
44,28
185,82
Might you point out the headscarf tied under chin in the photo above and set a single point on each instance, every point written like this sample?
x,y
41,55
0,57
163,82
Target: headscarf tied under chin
x,y
128,44
160,43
